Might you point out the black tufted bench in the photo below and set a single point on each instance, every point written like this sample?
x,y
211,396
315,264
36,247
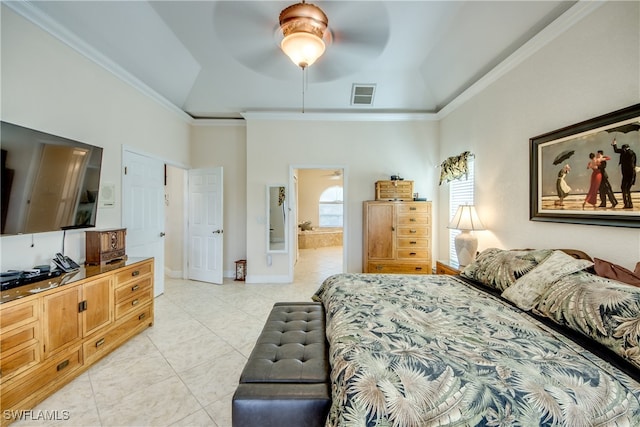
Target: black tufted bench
x,y
286,379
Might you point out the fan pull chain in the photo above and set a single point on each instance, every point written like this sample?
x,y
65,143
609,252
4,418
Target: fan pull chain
x,y
304,74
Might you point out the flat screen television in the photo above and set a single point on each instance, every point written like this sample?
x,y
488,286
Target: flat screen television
x,y
48,182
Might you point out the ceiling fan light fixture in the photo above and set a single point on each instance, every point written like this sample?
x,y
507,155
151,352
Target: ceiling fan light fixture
x,y
302,48
303,26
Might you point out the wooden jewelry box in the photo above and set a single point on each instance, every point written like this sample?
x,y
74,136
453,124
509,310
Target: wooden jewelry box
x,y
105,246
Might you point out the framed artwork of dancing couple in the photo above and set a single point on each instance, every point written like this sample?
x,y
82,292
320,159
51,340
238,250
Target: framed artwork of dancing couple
x,y
586,173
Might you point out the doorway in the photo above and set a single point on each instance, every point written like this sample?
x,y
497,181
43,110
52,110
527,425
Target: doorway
x,y
318,219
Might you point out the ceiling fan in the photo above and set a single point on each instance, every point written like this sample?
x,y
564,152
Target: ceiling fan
x,y
358,32
335,175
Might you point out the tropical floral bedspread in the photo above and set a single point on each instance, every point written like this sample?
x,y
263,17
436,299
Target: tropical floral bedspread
x,y
433,350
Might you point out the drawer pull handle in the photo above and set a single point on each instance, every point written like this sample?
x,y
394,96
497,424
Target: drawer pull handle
x,y
412,220
412,253
418,268
99,342
63,365
379,267
413,243
135,288
412,231
135,273
135,302
412,208
142,316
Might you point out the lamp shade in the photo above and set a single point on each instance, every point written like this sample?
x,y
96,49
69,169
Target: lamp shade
x,y
303,48
466,218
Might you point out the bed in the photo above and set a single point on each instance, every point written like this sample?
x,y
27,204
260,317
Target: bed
x,y
520,338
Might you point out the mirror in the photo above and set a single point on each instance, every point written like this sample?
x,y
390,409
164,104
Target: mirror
x,y
276,218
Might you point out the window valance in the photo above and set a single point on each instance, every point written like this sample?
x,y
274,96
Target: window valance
x,y
454,167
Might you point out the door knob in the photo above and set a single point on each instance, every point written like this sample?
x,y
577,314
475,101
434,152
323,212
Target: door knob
x,y
218,232
162,234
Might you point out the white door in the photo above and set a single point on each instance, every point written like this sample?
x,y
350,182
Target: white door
x,y
143,211
205,225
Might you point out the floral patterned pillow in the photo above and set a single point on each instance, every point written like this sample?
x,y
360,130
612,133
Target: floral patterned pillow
x,y
528,289
498,268
605,310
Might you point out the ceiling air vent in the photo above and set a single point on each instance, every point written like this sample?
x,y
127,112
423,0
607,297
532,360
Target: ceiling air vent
x,y
362,94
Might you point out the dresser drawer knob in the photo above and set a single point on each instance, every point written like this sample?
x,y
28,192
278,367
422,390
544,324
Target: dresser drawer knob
x,y
99,342
412,253
412,208
142,316
418,268
62,365
135,302
135,273
412,220
413,231
413,243
135,288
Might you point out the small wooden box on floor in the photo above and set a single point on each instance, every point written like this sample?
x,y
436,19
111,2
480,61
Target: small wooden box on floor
x,y
397,237
104,246
394,190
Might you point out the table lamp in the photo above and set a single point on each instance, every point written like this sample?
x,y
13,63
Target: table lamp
x,y
466,220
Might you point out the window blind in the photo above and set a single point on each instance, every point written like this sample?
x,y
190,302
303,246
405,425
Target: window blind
x,y
461,192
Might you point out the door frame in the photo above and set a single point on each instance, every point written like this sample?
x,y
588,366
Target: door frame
x,y
293,211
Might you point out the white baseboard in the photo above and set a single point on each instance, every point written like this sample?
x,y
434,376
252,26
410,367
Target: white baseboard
x,y
173,274
267,279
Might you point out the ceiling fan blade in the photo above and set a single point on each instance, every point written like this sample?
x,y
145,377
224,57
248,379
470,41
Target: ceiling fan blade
x,y
359,34
370,42
272,62
248,31
246,14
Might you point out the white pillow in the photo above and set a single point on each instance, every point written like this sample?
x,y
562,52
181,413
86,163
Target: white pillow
x,y
527,290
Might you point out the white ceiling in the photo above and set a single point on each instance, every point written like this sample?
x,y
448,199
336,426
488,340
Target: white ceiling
x,y
218,59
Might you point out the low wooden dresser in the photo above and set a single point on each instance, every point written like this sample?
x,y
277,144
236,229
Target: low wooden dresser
x,y
52,331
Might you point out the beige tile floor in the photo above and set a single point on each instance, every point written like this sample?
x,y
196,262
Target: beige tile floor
x,y
183,371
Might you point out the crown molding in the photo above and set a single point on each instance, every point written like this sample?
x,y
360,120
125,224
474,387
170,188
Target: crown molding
x,y
537,42
219,122
339,116
27,10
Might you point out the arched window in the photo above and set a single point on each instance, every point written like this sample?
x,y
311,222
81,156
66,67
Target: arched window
x,y
330,207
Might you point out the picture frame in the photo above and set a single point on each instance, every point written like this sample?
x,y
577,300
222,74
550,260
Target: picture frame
x,y
563,179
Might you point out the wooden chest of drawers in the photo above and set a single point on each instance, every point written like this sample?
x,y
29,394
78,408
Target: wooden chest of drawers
x,y
103,246
394,190
397,237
